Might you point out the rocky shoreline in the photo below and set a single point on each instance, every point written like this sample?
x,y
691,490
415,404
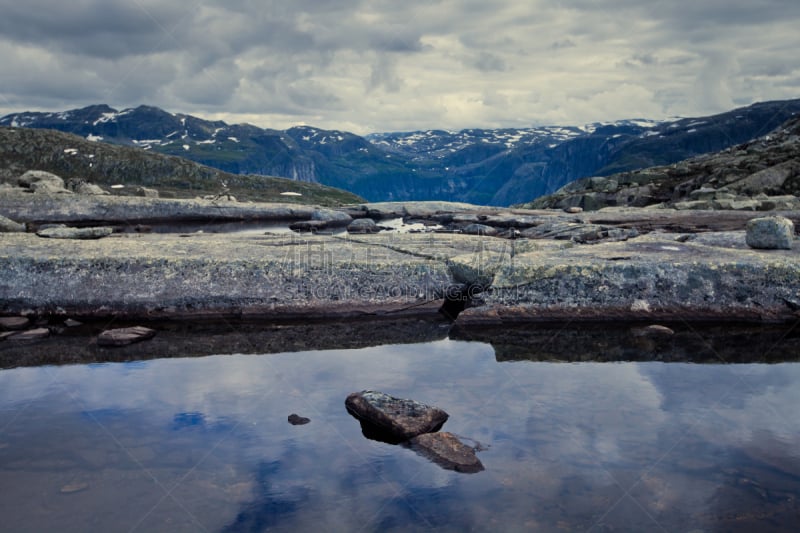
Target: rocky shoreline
x,y
478,265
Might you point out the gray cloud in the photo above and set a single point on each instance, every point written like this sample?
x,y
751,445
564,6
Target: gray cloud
x,y
380,65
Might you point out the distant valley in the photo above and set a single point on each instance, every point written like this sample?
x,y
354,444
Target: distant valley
x,y
480,166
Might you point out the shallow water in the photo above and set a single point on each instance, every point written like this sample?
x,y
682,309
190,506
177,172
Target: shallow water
x,y
203,444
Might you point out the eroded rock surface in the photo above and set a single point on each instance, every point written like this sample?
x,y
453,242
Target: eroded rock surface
x,y
396,419
446,450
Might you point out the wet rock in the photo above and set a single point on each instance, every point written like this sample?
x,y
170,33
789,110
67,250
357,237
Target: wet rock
x,y
32,335
71,323
297,420
125,336
446,450
394,419
9,226
770,233
363,225
64,232
308,225
480,229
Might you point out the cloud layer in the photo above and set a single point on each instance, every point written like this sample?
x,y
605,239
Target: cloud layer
x,y
369,66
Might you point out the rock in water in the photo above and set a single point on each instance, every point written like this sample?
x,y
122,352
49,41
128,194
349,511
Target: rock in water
x,y
770,233
125,336
14,322
393,419
297,420
447,451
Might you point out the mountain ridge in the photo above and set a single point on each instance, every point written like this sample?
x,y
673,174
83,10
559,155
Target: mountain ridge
x,y
493,166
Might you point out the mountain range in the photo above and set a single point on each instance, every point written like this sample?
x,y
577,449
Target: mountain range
x,y
480,166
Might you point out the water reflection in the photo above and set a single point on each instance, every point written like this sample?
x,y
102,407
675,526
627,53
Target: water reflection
x,y
204,444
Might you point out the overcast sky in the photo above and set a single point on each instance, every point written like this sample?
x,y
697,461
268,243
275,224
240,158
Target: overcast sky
x,y
388,65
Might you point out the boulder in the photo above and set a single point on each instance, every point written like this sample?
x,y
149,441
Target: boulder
x,y
480,229
39,181
125,336
446,450
146,192
770,233
64,232
40,176
391,419
90,189
363,225
9,226
331,217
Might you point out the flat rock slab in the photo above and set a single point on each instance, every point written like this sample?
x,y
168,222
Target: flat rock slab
x,y
31,335
125,336
76,233
397,418
14,322
446,450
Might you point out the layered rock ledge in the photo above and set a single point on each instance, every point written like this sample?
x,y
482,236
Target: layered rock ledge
x,y
630,264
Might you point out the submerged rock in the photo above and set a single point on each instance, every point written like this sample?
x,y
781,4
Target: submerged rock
x,y
770,233
394,419
446,450
125,336
64,232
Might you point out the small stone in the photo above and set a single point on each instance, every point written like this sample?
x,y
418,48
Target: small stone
x,y
70,323
770,233
14,322
574,210
297,420
125,336
391,419
32,335
446,450
640,306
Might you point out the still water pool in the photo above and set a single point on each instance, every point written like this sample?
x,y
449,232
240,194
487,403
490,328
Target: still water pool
x,y
203,444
